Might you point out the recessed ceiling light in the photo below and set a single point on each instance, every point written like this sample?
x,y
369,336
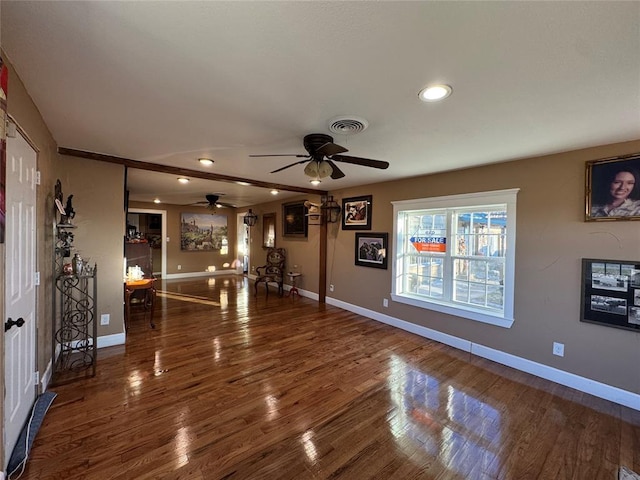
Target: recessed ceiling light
x,y
206,161
183,180
434,93
244,184
315,181
157,200
275,192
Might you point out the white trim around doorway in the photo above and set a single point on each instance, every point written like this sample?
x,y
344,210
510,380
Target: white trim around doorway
x,y
163,213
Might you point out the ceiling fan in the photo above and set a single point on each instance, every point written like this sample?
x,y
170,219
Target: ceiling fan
x,y
212,202
323,154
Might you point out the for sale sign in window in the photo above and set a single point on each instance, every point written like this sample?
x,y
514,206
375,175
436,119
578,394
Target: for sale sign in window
x,y
429,243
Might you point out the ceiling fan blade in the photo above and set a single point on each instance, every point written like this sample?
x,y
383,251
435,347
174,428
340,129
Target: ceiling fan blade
x,y
283,155
336,173
367,162
290,165
330,148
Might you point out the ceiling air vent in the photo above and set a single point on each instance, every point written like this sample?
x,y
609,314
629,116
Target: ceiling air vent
x,y
347,125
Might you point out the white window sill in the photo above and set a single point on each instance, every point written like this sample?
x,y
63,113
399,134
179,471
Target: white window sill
x,y
470,313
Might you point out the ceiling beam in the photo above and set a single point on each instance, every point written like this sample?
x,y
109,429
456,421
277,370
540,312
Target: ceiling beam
x,y
185,172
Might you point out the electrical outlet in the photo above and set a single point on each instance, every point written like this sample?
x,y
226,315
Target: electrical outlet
x,y
385,302
331,288
558,349
179,267
104,319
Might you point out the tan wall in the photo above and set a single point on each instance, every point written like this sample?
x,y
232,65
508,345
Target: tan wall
x,y
98,199
302,251
193,262
552,238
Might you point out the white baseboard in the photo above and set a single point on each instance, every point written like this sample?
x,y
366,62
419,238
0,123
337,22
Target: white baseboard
x,y
301,291
171,276
450,340
583,384
46,377
586,385
102,342
304,293
111,340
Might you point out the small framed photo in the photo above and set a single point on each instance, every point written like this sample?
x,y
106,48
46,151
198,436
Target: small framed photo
x,y
356,213
371,249
294,219
612,190
608,294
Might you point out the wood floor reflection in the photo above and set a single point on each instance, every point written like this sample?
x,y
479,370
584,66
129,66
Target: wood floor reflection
x,y
229,386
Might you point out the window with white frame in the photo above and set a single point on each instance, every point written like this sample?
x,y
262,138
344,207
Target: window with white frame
x,y
456,254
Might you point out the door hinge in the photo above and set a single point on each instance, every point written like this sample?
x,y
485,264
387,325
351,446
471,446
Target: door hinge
x,y
36,279
36,377
37,177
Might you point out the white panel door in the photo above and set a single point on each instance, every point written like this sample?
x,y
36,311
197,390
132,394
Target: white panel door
x,y
20,292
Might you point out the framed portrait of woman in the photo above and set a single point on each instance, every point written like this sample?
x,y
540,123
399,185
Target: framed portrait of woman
x,y
612,190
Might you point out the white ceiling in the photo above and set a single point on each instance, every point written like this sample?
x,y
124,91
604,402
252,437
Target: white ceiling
x,y
168,82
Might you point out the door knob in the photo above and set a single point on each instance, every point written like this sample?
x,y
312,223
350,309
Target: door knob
x,y
10,323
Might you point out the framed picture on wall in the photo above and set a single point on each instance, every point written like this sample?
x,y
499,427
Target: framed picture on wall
x,y
612,190
294,219
611,293
356,213
269,230
371,249
203,232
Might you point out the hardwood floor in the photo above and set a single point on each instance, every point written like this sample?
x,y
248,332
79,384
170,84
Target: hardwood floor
x,y
229,386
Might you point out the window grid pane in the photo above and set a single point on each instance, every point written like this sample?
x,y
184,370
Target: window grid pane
x,y
473,273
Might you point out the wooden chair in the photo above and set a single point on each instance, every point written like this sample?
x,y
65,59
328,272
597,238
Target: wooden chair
x,y
273,271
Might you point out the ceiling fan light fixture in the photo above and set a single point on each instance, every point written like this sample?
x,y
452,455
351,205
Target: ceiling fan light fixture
x,y
318,169
324,169
311,170
435,93
206,161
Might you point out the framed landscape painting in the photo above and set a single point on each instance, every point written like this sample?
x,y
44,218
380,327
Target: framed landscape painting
x,y
203,232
